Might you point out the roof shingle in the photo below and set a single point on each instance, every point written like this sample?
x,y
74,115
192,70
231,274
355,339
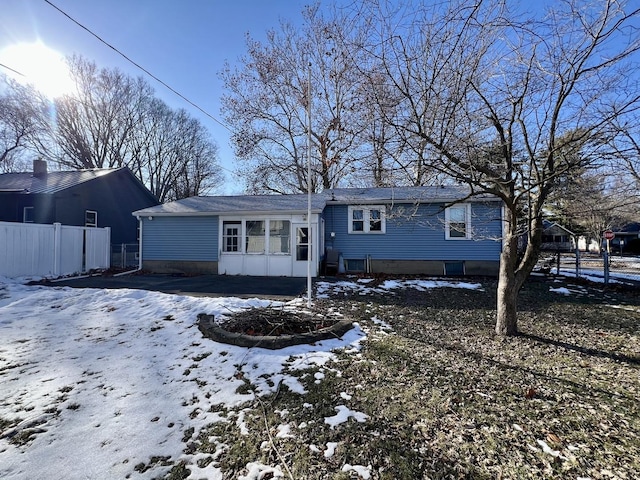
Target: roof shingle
x,y
50,182
263,204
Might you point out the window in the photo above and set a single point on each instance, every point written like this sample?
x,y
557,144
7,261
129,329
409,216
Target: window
x,y
279,236
367,219
255,239
302,244
357,220
453,268
231,236
458,222
355,265
90,218
27,215
375,220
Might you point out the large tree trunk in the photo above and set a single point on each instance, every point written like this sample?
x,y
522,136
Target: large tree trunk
x,y
514,270
507,292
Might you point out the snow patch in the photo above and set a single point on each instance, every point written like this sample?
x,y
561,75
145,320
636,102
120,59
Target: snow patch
x,y
343,415
363,472
330,449
258,471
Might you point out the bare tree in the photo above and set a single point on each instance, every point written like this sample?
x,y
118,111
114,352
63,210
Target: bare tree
x,y
24,118
173,153
114,120
267,99
491,96
627,153
97,125
590,202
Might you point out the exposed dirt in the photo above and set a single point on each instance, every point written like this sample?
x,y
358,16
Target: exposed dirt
x,y
271,321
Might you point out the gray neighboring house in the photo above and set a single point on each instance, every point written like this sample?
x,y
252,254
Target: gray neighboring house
x,y
557,238
407,230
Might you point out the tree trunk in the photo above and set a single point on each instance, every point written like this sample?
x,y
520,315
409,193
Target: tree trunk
x,y
506,313
507,292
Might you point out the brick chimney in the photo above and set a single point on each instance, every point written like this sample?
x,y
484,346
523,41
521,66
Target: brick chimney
x,y
39,168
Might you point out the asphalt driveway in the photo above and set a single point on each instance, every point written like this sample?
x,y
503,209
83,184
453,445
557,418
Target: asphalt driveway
x,y
199,285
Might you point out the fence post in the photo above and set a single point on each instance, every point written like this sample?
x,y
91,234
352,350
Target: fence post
x,y
605,256
107,248
577,262
57,247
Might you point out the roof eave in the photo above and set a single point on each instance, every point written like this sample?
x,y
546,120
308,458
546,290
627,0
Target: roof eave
x,y
147,213
356,201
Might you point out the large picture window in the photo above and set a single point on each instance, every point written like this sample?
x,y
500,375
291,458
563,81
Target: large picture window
x,y
458,222
279,236
369,219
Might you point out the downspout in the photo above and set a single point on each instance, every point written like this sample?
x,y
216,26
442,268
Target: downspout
x,y
140,246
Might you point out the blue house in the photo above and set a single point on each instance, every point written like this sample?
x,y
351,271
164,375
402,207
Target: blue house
x,y
406,230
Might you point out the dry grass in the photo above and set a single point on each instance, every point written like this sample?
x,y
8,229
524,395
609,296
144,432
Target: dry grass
x,y
446,399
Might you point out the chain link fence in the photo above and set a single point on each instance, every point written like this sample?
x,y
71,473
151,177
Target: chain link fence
x,y
601,268
124,255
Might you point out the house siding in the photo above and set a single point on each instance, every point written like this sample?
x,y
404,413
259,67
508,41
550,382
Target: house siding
x,y
417,234
180,238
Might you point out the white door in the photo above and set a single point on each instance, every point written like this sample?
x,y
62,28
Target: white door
x,y
303,248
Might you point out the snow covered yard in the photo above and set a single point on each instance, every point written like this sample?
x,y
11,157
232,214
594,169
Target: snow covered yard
x,y
121,384
96,383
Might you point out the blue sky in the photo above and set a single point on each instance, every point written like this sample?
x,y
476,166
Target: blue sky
x,y
184,43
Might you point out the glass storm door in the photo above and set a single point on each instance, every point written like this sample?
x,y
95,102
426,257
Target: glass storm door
x,y
303,244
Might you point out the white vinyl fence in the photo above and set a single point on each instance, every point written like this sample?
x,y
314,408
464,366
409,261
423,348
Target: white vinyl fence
x,y
30,249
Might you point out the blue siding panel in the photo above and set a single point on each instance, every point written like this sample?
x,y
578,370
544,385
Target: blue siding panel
x,y
417,234
180,238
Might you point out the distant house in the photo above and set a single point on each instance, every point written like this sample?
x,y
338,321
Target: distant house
x,y
414,230
557,238
627,238
93,198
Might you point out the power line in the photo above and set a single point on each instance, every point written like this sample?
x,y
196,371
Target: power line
x,y
12,69
137,65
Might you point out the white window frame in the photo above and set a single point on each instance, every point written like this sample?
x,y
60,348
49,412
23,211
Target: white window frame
x,y
90,224
238,236
257,248
24,214
366,219
447,219
267,240
277,238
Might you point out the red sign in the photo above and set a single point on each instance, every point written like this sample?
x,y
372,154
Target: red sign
x,y
609,235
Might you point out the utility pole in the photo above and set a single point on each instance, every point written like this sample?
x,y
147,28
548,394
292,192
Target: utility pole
x,y
310,236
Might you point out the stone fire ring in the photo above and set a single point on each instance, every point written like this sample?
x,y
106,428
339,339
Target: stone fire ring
x,y
210,330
